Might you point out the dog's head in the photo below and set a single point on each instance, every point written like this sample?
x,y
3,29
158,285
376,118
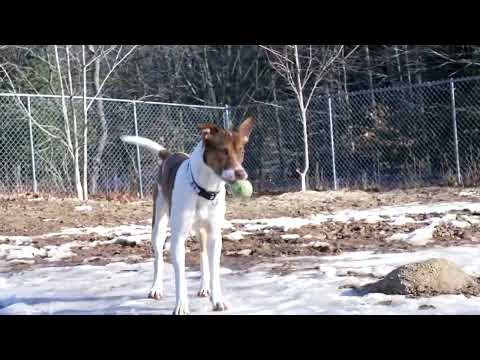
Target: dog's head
x,y
224,150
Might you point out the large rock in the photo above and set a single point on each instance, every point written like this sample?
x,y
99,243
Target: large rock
x,y
427,278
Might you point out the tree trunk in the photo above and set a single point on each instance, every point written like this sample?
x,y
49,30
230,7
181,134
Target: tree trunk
x,y
85,128
370,75
345,82
76,156
73,151
399,65
303,111
104,130
418,66
303,174
209,78
279,134
407,64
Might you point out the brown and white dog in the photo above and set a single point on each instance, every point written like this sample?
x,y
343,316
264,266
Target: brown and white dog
x,y
190,191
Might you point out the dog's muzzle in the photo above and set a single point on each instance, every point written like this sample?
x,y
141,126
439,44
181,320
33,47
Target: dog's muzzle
x,y
232,175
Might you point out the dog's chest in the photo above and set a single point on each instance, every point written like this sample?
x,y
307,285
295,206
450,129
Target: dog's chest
x,y
210,210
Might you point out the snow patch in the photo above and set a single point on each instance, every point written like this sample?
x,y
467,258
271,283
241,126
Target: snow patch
x,y
83,208
290,236
421,236
18,240
396,213
403,220
10,252
120,288
236,235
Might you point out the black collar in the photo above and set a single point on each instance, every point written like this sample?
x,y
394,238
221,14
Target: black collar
x,y
209,195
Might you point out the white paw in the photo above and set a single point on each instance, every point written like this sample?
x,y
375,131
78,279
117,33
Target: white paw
x,y
220,305
181,309
203,292
155,293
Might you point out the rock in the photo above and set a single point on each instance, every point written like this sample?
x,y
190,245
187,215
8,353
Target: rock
x,y
244,252
322,245
428,278
91,259
126,242
426,307
384,303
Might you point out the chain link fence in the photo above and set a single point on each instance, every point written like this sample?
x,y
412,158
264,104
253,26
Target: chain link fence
x,y
39,143
426,134
420,135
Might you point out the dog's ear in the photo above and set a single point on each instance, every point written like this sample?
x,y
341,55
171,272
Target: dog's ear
x,y
245,128
208,130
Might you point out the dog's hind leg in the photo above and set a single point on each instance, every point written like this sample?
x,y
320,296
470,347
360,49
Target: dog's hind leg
x,y
204,291
159,234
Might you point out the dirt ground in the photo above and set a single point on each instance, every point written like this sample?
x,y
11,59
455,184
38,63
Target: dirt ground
x,y
31,215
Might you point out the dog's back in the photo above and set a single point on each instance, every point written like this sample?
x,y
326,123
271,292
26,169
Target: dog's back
x,y
168,171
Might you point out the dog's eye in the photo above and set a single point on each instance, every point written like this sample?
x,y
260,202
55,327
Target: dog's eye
x,y
225,152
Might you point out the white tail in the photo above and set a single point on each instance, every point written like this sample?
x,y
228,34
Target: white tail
x,y
143,142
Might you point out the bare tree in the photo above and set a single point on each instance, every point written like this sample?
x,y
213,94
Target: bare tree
x,y
304,67
67,136
98,54
61,80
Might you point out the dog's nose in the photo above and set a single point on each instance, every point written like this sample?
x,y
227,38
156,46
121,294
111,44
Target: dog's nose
x,y
240,174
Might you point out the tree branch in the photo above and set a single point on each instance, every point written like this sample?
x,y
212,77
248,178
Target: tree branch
x,y
116,64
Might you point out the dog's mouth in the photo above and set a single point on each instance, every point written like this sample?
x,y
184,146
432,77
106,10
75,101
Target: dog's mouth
x,y
232,175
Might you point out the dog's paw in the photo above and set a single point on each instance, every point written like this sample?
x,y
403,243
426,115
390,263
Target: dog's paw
x,y
220,306
203,292
181,309
155,293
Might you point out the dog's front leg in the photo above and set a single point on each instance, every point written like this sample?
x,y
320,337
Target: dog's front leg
x,y
214,247
178,238
204,266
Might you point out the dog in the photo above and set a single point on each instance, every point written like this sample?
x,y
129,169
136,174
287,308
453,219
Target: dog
x,y
190,193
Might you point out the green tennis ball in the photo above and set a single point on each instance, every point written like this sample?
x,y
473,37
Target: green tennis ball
x,y
242,188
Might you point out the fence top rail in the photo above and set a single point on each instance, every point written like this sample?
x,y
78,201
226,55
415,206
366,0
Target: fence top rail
x,y
399,87
282,104
113,100
324,97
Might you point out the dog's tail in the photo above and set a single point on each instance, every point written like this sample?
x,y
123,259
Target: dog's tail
x,y
146,143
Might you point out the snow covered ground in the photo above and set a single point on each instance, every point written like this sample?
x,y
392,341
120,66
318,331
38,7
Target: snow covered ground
x,y
314,287
121,288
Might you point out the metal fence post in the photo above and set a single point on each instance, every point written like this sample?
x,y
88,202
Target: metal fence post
x,y
226,117
455,135
34,174
332,141
139,165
